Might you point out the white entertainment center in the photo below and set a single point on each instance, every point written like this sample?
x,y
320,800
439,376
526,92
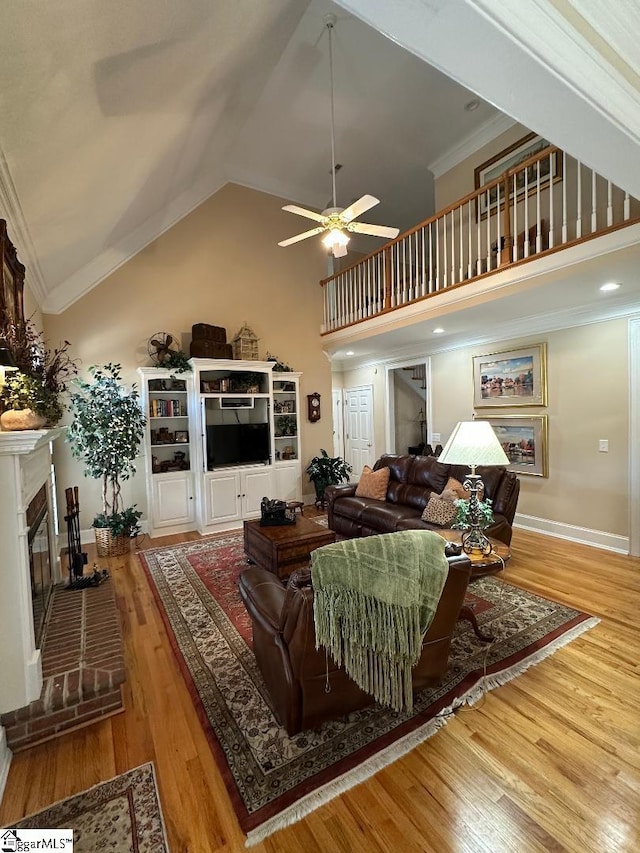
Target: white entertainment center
x,y
218,439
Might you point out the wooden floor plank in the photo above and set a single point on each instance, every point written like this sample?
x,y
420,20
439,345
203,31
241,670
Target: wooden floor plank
x,y
550,761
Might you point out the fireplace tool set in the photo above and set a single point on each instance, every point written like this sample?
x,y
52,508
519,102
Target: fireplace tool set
x,y
78,557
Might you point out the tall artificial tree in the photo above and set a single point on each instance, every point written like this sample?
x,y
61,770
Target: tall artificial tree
x,y
106,432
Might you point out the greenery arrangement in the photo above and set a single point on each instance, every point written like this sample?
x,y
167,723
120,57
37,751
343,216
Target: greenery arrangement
x,y
286,425
462,520
177,360
106,432
43,373
279,366
325,470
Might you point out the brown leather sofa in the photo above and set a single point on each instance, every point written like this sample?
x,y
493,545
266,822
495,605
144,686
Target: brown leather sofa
x,y
412,479
296,675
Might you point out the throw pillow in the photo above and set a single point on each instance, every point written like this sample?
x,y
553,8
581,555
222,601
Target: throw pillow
x,y
440,512
459,489
373,484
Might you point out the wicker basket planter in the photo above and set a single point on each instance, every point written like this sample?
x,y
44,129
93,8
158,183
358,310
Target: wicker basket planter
x,y
109,545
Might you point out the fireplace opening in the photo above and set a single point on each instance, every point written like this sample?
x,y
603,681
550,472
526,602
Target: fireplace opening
x,y
40,566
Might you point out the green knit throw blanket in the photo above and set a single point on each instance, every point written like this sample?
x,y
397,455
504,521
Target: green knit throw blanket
x,y
374,599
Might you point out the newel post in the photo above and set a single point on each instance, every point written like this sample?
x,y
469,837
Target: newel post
x,y
506,254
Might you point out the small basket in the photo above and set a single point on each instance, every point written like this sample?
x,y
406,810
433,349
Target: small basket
x,y
109,545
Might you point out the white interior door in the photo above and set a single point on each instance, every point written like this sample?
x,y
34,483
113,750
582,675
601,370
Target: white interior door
x,y
359,449
337,412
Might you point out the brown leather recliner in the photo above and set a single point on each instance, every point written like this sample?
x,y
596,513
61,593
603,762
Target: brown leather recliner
x,y
296,675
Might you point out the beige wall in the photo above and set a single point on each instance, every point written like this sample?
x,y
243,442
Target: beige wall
x,y
587,401
459,181
587,371
219,265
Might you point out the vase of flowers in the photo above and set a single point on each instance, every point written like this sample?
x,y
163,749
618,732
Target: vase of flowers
x,y
106,432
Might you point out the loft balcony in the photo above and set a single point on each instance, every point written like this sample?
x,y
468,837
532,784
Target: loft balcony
x,y
516,237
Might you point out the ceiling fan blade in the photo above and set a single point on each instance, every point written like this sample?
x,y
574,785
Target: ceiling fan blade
x,y
375,230
302,236
360,206
302,211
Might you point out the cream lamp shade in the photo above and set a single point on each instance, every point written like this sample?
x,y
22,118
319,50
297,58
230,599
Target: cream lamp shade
x,y
473,443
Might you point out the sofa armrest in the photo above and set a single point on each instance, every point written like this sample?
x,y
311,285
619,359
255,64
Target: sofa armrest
x,y
344,490
263,596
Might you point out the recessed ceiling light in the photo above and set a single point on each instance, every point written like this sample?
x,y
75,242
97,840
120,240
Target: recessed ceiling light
x,y
472,105
610,285
349,352
438,331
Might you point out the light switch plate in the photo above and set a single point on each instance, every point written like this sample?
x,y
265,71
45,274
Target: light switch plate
x,y
603,445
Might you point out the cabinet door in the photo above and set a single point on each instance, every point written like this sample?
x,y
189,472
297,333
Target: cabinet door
x,y
172,500
255,486
287,482
224,497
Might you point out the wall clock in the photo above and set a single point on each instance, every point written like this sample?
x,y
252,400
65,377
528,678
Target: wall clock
x,y
313,407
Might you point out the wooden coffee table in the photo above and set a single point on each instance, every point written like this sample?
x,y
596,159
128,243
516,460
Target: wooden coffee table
x,y
284,548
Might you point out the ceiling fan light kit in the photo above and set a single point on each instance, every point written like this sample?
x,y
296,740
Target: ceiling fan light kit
x,y
335,220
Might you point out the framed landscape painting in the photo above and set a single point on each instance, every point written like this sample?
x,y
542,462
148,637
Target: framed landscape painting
x,y
524,440
511,378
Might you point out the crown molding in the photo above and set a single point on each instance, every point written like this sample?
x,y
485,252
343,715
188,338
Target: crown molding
x,y
19,230
92,274
470,144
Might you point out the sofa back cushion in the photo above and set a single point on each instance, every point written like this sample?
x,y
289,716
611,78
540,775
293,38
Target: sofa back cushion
x,y
399,470
491,476
430,474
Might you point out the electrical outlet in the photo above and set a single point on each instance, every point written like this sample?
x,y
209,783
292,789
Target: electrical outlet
x,y
435,436
603,445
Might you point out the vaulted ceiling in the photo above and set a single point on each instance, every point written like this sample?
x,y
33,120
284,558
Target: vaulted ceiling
x,y
119,118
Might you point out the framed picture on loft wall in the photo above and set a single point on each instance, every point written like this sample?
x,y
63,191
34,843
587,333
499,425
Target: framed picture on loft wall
x,y
511,378
510,158
524,440
11,280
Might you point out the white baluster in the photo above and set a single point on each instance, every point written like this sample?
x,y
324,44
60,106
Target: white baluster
x,y
423,285
609,203
460,267
538,227
479,236
437,283
551,211
594,211
626,207
453,249
514,230
431,287
488,232
579,201
444,260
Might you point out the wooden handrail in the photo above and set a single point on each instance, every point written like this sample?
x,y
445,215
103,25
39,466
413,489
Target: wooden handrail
x,y
472,196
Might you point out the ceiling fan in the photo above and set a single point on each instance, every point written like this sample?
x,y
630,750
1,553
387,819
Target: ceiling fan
x,y
336,221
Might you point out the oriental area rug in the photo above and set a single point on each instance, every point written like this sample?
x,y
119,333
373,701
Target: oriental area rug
x,y
273,779
122,815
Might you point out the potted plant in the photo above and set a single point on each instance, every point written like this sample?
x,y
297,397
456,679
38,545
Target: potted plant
x,y
32,396
106,432
324,471
462,521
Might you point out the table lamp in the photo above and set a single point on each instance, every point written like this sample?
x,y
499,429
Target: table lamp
x,y
474,443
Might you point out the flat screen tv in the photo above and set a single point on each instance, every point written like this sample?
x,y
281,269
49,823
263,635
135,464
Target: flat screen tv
x,y
236,444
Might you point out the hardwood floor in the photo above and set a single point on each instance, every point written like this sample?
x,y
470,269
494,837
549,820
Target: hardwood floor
x,y
549,761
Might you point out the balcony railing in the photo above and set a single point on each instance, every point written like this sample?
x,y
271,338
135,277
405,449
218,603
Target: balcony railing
x,y
545,203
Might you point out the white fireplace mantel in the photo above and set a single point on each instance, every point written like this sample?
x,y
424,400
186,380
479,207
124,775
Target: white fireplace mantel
x,y
26,463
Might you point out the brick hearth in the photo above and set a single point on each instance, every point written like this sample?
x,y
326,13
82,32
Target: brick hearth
x,y
82,668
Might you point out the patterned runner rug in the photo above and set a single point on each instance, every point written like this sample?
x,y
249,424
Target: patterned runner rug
x,y
273,779
122,815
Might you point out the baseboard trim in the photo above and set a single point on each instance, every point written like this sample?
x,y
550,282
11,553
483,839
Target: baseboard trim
x,y
573,533
5,761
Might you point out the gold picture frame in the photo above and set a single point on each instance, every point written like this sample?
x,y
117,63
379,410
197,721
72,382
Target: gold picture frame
x,y
510,158
11,280
524,440
516,377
